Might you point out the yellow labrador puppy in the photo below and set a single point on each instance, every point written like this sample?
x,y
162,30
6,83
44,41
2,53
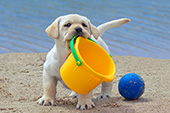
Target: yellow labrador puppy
x,y
62,30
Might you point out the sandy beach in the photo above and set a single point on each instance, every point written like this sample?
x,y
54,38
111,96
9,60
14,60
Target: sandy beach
x,y
21,86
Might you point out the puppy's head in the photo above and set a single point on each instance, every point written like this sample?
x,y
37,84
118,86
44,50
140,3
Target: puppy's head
x,y
66,27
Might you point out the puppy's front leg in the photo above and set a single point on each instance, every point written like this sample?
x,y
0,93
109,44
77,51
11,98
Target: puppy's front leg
x,y
105,90
85,101
49,90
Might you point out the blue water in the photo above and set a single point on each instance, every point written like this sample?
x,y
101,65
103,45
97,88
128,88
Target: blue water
x,y
23,22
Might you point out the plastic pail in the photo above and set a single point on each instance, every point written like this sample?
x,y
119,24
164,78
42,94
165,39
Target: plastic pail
x,y
87,66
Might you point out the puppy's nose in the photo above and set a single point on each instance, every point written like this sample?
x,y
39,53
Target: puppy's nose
x,y
78,30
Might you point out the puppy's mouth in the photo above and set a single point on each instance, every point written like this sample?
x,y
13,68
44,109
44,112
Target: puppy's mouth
x,y
75,34
69,40
78,32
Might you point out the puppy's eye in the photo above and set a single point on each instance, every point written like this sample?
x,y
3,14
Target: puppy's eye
x,y
84,25
67,25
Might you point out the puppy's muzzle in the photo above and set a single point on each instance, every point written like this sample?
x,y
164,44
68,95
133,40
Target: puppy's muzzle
x,y
78,31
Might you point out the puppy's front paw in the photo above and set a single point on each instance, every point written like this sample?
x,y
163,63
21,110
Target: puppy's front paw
x,y
46,102
102,96
85,104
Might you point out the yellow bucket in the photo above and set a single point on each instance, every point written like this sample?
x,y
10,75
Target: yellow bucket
x,y
87,66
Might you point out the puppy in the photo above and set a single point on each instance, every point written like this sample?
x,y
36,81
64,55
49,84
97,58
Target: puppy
x,y
62,30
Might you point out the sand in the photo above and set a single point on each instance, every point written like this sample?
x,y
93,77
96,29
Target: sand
x,y
21,86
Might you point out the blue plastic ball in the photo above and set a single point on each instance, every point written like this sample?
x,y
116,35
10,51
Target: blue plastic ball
x,y
131,86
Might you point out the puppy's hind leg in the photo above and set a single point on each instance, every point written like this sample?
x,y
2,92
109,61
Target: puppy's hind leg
x,y
49,91
105,90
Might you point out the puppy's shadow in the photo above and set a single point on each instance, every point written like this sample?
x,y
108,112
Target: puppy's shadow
x,y
106,102
117,100
66,101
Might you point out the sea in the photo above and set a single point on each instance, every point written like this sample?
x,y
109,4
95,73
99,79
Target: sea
x,y
23,24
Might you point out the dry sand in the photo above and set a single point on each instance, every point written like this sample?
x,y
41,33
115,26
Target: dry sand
x,y
21,86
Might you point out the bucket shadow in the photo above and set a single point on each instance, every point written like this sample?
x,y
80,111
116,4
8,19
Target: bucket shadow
x,y
139,100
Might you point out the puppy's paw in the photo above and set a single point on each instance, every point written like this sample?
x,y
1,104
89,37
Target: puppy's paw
x,y
46,102
103,96
85,104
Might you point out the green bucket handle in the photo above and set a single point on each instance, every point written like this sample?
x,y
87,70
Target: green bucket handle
x,y
78,61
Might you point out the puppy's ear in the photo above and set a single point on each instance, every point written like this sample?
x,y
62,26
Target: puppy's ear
x,y
94,31
53,29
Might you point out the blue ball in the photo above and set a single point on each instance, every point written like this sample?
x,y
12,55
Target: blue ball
x,y
131,86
